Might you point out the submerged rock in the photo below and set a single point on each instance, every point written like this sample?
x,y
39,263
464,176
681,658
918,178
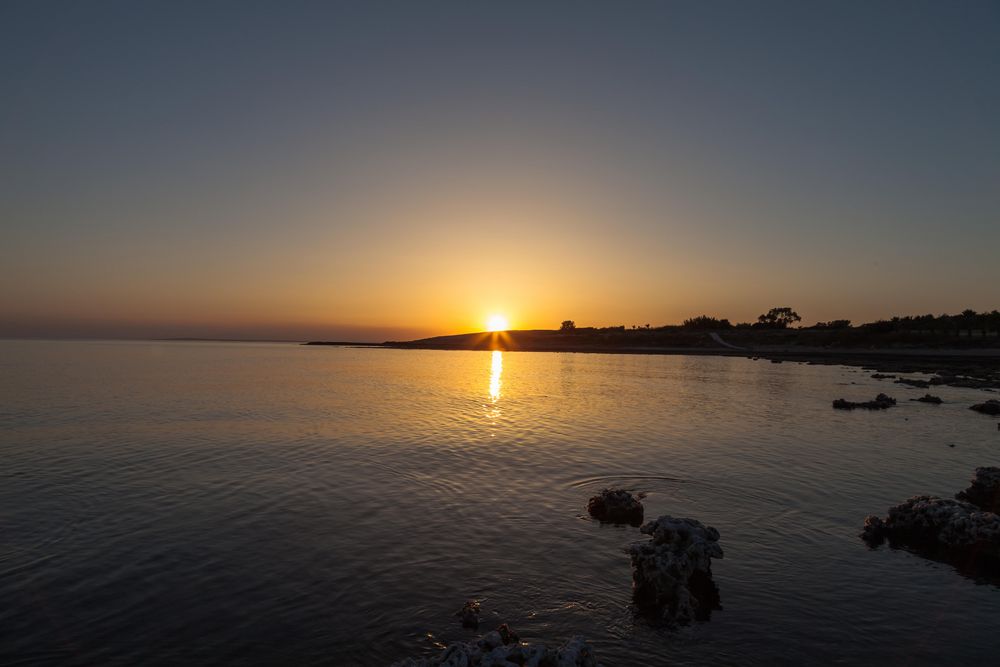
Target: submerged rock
x,y
928,398
497,649
469,613
672,573
990,407
913,382
946,526
984,492
616,506
881,402
883,376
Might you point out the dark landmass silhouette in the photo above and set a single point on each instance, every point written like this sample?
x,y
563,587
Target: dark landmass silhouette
x,y
956,347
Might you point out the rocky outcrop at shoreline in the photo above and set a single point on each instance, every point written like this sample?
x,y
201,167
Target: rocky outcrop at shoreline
x,y
928,398
881,402
984,492
672,572
616,506
501,648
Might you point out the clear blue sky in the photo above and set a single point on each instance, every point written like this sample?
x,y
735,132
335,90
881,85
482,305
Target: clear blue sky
x,y
385,169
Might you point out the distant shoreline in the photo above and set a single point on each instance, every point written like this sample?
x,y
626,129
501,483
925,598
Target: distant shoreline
x,y
982,363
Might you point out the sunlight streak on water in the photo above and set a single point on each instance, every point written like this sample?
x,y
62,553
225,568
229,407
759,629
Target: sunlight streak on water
x,y
496,370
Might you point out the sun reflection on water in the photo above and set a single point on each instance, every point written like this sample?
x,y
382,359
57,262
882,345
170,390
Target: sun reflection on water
x,y
496,370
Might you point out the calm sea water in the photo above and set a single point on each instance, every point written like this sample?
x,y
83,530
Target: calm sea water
x,y
209,503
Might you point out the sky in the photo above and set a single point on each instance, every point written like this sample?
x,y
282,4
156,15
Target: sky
x,y
387,170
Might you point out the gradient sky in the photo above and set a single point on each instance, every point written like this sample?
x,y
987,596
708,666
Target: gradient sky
x,y
376,170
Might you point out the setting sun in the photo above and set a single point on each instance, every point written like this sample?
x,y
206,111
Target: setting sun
x,y
497,323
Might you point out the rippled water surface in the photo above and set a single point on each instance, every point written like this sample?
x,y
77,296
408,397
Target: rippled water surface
x,y
163,503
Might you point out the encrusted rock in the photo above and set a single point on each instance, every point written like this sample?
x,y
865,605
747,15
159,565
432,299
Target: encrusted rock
x,y
616,506
469,613
881,402
990,407
953,527
672,573
928,398
493,650
985,490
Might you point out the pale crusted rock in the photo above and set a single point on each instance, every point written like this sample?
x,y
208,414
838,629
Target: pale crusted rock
x,y
943,524
672,573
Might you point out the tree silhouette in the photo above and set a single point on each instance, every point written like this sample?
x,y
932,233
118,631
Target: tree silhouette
x,y
778,318
568,325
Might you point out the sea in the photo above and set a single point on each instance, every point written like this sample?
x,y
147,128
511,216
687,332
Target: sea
x,y
208,503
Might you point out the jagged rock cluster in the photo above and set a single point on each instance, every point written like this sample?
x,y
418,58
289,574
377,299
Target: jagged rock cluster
x,y
881,402
672,573
943,524
501,648
616,506
984,492
990,407
928,398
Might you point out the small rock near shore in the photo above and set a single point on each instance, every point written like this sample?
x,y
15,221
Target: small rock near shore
x,y
881,402
913,382
928,398
990,407
616,506
469,613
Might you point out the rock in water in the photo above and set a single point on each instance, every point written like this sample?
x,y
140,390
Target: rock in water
x,y
990,407
469,613
946,526
928,398
616,506
672,573
881,402
921,384
494,650
985,490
